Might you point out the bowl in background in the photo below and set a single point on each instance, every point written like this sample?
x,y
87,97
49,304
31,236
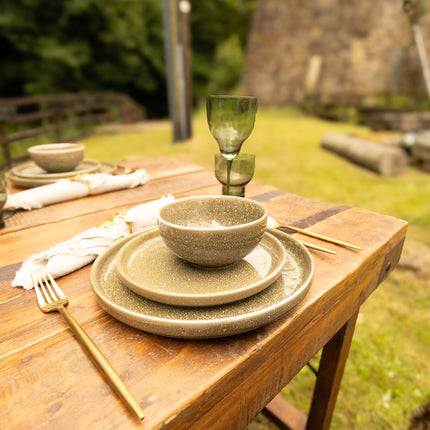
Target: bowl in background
x,y
212,231
57,157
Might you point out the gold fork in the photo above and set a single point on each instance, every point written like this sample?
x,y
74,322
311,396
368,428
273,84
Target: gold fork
x,y
51,298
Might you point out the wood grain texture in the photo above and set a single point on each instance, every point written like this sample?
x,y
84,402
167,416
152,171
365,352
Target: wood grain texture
x,y
47,381
332,364
285,415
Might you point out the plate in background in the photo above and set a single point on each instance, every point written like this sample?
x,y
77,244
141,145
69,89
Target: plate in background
x,y
30,170
23,182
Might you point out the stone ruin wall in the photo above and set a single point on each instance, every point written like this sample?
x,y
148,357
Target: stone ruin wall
x,y
331,48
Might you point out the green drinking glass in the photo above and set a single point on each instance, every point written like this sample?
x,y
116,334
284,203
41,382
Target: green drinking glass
x,y
231,120
242,171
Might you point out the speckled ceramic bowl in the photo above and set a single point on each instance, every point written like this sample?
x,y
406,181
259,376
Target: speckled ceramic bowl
x,y
57,157
212,231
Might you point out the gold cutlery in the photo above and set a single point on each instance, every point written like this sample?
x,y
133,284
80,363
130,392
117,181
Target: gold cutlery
x,y
308,245
274,224
320,236
51,298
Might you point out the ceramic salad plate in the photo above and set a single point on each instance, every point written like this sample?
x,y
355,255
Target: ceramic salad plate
x,y
202,322
21,175
150,269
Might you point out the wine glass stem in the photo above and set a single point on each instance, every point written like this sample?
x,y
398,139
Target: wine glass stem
x,y
229,163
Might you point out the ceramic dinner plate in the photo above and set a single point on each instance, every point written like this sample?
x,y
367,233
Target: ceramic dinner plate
x,y
202,322
20,175
30,170
150,269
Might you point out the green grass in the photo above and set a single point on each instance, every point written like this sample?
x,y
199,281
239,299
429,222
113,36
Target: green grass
x,y
387,372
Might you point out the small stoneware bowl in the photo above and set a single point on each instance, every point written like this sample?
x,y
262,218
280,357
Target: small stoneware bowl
x,y
57,157
212,231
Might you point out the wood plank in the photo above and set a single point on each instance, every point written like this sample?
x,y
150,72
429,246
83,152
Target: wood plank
x,y
284,414
332,364
330,373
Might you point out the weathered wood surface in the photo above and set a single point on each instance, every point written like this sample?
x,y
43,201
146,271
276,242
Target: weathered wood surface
x,y
48,382
383,159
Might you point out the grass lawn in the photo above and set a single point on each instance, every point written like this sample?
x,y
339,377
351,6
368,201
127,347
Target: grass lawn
x,y
388,372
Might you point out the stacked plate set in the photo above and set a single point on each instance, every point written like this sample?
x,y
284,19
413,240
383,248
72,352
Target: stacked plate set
x,y
143,282
52,162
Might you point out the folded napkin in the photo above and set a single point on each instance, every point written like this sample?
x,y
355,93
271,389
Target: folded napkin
x,y
82,249
74,188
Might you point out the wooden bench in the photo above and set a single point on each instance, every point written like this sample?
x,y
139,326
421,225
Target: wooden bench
x,y
58,117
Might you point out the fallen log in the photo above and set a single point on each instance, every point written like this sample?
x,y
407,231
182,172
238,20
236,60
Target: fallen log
x,y
386,160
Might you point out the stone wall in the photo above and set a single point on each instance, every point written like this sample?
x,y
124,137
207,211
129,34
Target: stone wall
x,y
331,49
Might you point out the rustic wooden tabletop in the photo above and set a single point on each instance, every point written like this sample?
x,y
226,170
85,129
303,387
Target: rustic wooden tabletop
x,y
47,381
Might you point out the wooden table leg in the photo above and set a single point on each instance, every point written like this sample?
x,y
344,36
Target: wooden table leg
x,y
330,373
332,364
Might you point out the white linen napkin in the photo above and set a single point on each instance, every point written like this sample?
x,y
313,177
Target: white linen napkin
x,y
74,188
83,248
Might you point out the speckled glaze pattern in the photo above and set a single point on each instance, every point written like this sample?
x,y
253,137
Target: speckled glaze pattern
x,y
28,175
30,170
212,231
150,269
203,322
57,157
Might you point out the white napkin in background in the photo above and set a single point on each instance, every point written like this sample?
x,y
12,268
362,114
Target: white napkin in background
x,y
69,189
83,248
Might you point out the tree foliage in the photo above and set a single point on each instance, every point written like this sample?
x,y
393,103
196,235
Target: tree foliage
x,y
115,45
219,34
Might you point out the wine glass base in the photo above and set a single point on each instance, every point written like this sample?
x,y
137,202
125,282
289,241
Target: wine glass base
x,y
237,191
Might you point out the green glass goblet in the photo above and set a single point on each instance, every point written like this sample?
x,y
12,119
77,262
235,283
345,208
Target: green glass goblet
x,y
241,173
231,120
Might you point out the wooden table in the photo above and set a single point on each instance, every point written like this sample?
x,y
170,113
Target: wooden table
x,y
48,382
